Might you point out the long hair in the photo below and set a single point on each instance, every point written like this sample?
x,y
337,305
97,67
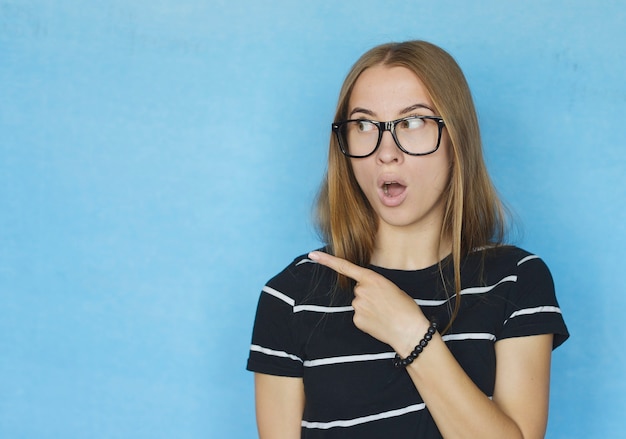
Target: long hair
x,y
473,215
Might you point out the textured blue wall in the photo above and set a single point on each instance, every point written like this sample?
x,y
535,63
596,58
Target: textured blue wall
x,y
158,160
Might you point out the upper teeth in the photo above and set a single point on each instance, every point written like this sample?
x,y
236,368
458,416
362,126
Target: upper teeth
x,y
386,187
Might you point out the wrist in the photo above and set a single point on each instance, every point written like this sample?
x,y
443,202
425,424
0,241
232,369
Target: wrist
x,y
401,360
410,335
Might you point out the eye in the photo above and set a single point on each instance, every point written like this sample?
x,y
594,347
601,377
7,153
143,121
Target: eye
x,y
365,126
413,123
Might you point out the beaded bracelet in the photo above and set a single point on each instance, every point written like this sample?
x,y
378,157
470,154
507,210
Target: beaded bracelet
x,y
400,362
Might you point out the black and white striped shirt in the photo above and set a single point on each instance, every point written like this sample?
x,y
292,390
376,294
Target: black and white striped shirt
x,y
303,329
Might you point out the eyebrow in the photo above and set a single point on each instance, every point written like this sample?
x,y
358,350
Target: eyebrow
x,y
402,112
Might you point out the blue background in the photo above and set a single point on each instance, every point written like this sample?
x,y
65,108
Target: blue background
x,y
158,162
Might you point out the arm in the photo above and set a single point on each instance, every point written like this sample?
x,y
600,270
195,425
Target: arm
x,y
519,408
523,382
279,406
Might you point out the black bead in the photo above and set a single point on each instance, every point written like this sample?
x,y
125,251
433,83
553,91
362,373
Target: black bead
x,y
399,362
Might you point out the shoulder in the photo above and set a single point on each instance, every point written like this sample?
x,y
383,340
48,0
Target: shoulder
x,y
509,258
507,266
530,303
300,267
302,279
526,276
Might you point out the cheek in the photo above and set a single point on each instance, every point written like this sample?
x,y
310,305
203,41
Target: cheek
x,y
360,171
432,173
443,175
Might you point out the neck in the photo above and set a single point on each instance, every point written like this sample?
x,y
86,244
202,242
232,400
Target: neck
x,y
401,249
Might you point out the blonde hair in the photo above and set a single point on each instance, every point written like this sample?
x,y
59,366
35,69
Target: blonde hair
x,y
473,216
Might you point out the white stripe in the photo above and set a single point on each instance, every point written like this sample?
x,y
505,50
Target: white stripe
x,y
537,310
349,359
421,302
267,351
469,336
480,290
527,258
471,290
364,419
304,261
279,295
319,308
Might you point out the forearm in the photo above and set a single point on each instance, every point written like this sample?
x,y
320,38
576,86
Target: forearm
x,y
458,406
462,410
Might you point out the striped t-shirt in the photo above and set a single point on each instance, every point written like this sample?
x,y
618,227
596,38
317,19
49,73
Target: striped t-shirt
x,y
304,329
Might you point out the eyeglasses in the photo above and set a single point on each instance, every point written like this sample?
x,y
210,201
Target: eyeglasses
x,y
414,135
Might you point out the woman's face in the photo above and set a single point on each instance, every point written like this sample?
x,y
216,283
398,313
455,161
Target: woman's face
x,y
405,191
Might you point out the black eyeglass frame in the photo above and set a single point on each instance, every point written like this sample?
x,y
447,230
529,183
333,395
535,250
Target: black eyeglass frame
x,y
386,126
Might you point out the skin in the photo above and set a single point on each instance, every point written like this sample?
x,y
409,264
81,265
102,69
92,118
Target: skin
x,y
408,238
383,93
279,406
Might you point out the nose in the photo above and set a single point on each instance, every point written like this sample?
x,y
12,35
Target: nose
x,y
388,151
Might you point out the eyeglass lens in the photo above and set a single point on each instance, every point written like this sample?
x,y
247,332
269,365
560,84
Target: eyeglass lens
x,y
415,135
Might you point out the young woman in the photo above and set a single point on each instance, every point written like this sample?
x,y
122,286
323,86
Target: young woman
x,y
415,320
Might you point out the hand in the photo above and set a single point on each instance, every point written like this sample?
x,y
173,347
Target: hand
x,y
381,309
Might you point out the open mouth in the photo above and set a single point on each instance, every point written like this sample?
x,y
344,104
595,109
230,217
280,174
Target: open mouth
x,y
392,188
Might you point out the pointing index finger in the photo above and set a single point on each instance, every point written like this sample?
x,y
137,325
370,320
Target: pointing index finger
x,y
340,265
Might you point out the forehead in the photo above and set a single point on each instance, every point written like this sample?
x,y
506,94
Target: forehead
x,y
388,89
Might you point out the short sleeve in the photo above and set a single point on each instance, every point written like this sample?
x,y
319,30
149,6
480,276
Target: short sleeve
x,y
532,308
274,350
